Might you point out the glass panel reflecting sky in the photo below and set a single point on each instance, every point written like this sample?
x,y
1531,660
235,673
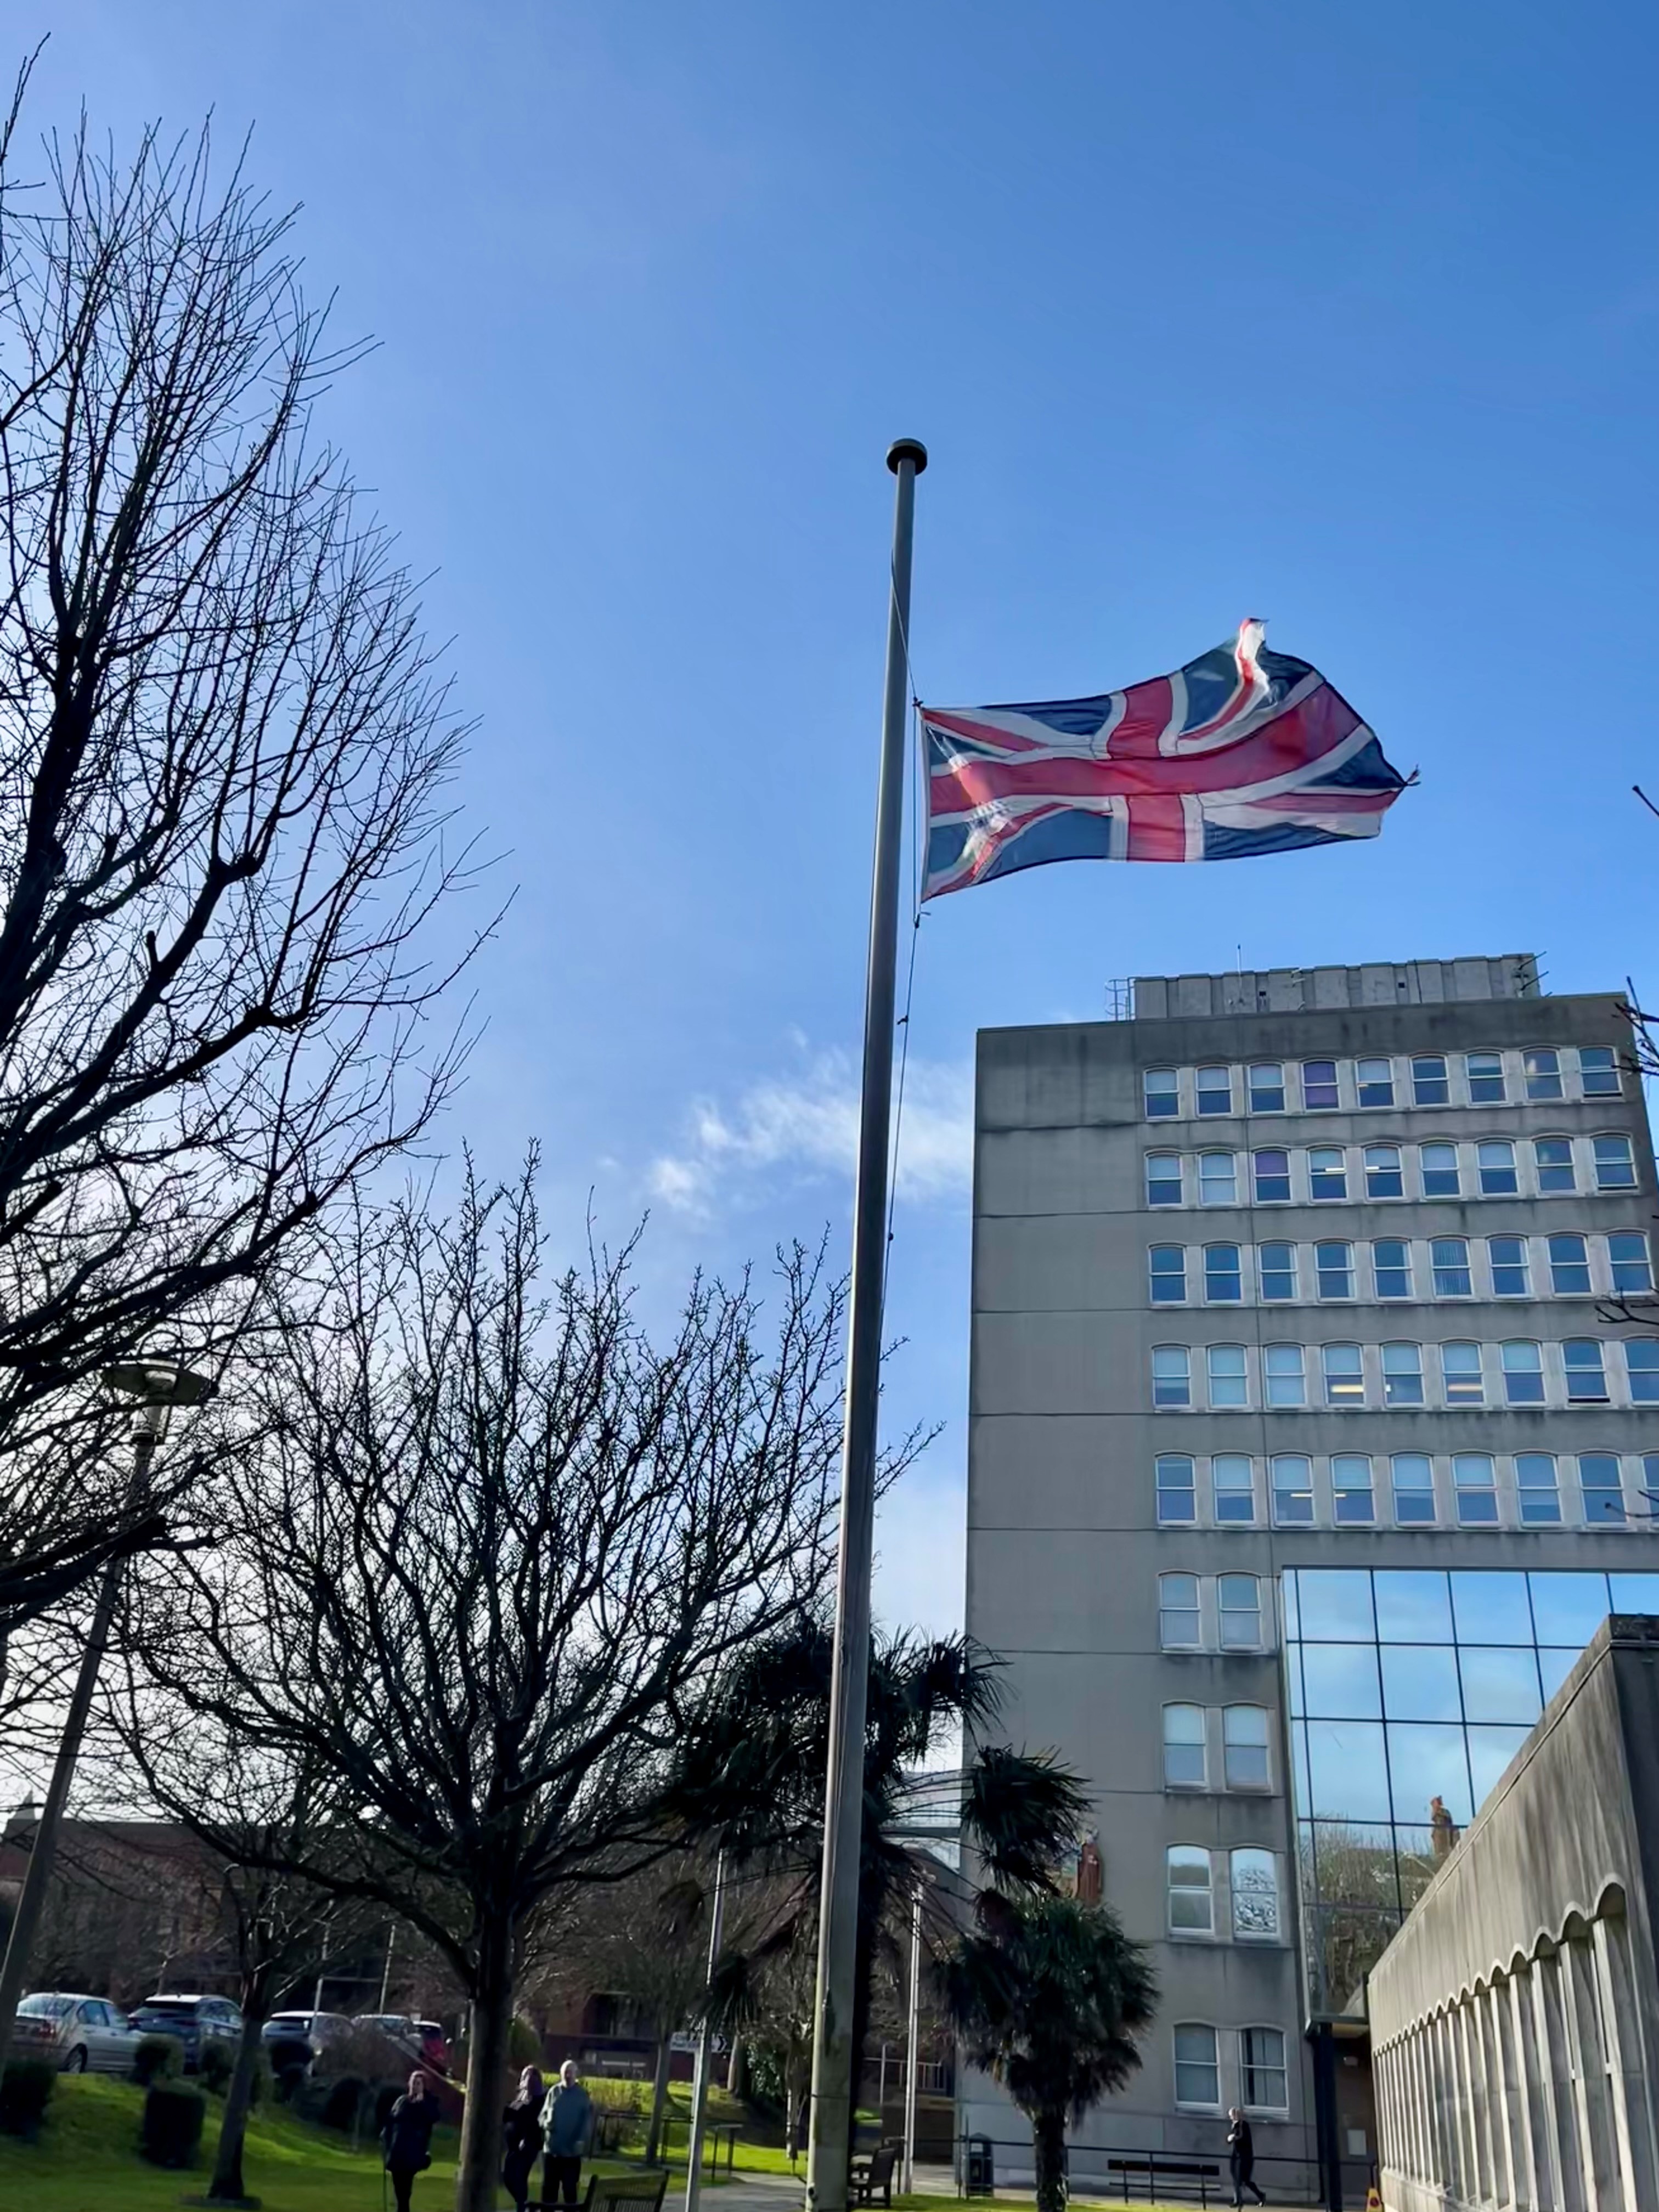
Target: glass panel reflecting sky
x,y
1410,1691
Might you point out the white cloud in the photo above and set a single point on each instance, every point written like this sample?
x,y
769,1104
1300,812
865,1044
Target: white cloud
x,y
807,1124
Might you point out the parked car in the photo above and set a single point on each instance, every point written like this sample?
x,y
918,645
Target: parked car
x,y
295,2038
80,2034
194,2021
423,2039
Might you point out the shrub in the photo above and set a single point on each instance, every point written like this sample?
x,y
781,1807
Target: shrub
x,y
156,2057
344,2100
174,2111
25,2092
218,2065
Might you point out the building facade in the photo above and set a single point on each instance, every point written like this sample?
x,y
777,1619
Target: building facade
x,y
1287,1278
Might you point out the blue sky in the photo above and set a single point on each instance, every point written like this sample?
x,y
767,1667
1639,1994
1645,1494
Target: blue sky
x,y
1344,317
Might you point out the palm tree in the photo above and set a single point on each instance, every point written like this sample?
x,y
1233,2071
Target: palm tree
x,y
1048,1996
753,1781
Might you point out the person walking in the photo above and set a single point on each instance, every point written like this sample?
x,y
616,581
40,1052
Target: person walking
x,y
567,2131
407,2136
1241,2156
521,2136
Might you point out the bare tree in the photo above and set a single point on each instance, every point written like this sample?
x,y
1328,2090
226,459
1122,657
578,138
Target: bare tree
x,y
224,754
495,1567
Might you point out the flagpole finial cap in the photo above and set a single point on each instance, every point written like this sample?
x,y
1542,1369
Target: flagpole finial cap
x,y
907,449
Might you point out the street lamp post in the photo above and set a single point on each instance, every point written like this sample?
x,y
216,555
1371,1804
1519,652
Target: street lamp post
x,y
155,1386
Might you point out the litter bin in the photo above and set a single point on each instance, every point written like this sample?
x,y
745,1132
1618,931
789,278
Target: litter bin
x,y
982,2170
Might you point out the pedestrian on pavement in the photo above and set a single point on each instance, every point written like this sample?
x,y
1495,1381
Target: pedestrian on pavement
x,y
567,2131
1241,2156
407,2136
521,2136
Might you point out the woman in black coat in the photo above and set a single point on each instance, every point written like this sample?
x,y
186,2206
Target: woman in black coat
x,y
1241,2157
521,2136
407,2136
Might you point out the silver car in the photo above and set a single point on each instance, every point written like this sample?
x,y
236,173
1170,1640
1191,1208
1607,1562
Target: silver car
x,y
80,2035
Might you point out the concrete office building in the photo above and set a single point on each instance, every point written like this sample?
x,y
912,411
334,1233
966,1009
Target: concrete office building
x,y
1285,1315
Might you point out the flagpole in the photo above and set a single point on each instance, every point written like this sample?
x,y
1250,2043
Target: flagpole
x,y
835,2085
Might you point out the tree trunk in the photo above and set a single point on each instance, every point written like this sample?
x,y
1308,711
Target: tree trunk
x,y
490,2025
226,2186
737,2072
658,2096
1049,2136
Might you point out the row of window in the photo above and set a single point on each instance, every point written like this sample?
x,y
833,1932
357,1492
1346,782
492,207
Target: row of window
x,y
1250,1910
1232,1616
1413,1490
1229,1742
1284,1377
1567,1264
1541,1074
1262,2084
1316,1175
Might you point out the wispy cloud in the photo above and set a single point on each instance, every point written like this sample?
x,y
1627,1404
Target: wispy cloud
x,y
807,1125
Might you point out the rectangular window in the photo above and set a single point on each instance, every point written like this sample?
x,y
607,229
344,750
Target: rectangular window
x,y
1178,1613
1238,1601
1254,1879
1176,1497
1614,1168
1553,1158
1402,1375
1318,1085
1642,1370
1587,1379
1328,1172
1215,1091
1570,1275
1511,1277
1449,1263
1191,1902
1384,1176
1244,1746
1285,1383
1602,1490
1168,1269
1233,1481
1161,1093
1344,1370
1430,1085
1292,1480
1485,1071
1229,1385
1374,1081
1438,1166
1543,1068
1273,1178
1496,1162
1351,1489
1163,1178
1223,1276
1475,1486
1267,1088
1333,1270
1627,1259
1262,2067
1391,1268
1536,1490
1413,1477
1598,1071
1276,1264
1460,1372
1197,2074
1218,1179
1524,1373
1183,1747
1172,1383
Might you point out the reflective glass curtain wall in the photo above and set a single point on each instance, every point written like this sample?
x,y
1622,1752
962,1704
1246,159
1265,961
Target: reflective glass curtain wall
x,y
1409,1691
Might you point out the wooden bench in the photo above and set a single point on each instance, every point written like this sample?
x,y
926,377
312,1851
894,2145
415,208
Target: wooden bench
x,y
873,2170
620,2192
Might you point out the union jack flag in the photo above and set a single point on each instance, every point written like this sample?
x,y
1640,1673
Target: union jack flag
x,y
1240,751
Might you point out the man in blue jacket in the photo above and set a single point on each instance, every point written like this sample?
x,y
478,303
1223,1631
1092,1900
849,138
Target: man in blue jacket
x,y
567,2131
